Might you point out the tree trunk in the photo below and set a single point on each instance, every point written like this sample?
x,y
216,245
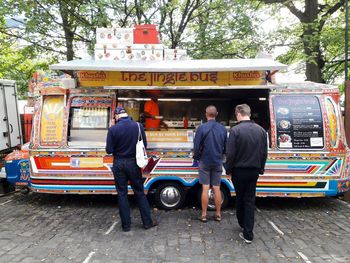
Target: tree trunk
x,y
68,32
311,42
69,44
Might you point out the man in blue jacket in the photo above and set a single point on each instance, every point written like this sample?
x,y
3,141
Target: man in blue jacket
x,y
246,158
209,149
121,142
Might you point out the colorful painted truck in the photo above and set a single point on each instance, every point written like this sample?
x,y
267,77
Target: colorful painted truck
x,y
308,154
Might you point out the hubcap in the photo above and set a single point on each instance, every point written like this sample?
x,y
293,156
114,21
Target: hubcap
x,y
211,203
170,196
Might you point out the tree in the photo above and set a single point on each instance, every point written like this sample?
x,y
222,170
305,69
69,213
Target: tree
x,y
55,27
18,63
313,18
225,33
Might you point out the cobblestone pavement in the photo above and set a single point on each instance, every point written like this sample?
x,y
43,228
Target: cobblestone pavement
x,y
57,228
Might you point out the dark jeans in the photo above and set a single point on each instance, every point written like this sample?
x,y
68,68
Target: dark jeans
x,y
244,180
126,170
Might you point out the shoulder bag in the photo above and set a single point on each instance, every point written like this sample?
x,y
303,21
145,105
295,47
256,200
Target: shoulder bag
x,y
141,154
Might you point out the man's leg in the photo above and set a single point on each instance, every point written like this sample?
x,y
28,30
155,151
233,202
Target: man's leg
x,y
121,184
204,180
205,199
137,186
217,196
215,181
249,202
239,190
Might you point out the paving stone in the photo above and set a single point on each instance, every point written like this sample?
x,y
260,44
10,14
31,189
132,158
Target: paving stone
x,y
35,229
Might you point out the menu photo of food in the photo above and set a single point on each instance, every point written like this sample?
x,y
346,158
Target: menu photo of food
x,y
285,141
284,124
283,110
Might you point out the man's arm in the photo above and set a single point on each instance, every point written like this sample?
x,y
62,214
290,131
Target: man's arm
x,y
225,140
196,142
264,154
110,142
231,151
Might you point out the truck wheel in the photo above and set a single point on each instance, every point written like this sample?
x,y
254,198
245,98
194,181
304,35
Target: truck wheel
x,y
211,204
25,190
169,196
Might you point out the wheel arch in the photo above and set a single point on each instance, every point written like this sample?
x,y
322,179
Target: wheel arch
x,y
154,182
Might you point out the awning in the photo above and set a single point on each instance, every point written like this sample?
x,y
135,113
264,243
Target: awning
x,y
198,65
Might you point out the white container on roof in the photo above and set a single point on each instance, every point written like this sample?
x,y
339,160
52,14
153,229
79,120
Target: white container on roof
x,y
202,65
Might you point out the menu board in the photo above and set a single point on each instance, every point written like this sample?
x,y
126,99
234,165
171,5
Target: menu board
x,y
298,122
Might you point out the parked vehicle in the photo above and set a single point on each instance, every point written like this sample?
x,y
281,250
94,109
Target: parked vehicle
x,y
10,127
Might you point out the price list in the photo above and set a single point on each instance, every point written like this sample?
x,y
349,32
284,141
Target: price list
x,y
298,122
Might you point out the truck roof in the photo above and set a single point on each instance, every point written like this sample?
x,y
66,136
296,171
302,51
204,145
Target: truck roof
x,y
7,82
196,65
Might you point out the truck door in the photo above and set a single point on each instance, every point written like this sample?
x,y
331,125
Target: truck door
x,y
9,118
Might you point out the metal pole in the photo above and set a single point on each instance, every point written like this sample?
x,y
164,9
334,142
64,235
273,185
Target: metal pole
x,y
347,85
346,39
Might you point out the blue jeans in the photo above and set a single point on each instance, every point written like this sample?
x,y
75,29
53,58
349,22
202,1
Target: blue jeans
x,y
125,170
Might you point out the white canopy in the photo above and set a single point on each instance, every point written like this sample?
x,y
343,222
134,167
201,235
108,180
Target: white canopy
x,y
202,65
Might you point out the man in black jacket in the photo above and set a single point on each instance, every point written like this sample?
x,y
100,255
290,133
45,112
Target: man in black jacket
x,y
246,158
121,142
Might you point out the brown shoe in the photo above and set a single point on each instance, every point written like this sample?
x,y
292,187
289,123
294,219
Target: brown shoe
x,y
154,223
217,218
203,219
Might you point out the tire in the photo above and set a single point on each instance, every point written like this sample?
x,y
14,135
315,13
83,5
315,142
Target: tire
x,y
211,205
169,196
25,190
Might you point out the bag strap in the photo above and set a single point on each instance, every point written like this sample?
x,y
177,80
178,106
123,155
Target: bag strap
x,y
140,134
205,136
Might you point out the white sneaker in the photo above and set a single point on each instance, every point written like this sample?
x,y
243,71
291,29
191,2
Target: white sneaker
x,y
245,240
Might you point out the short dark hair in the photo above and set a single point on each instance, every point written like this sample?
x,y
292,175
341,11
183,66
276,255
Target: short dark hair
x,y
243,109
211,111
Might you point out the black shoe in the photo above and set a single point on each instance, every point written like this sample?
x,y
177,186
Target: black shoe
x,y
154,223
245,240
126,229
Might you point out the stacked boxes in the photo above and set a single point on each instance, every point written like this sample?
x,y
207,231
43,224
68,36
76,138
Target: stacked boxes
x,y
175,54
119,36
118,44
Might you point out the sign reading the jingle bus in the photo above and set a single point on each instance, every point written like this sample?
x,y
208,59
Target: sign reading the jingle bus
x,y
121,78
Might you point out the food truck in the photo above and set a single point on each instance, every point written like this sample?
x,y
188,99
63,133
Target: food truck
x,y
308,154
307,157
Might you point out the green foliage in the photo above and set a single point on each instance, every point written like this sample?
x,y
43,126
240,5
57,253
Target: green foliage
x,y
18,63
56,30
232,35
315,39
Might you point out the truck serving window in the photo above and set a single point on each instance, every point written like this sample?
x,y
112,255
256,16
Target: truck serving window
x,y
299,123
88,125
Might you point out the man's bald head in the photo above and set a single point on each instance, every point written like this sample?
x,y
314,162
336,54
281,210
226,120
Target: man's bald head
x,y
211,111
